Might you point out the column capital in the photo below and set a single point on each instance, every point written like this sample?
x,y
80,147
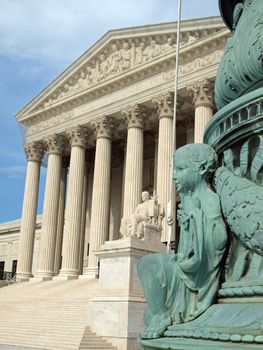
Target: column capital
x,y
34,151
164,105
202,93
55,144
103,128
134,116
78,136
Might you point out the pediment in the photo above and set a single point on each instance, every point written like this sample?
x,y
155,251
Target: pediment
x,y
118,54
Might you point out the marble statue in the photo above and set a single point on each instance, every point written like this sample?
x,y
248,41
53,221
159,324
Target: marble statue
x,y
146,214
180,287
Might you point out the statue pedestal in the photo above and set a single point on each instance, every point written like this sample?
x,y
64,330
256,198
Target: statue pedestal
x,y
236,325
117,313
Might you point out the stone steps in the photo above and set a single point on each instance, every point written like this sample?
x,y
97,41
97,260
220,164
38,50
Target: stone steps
x,y
48,315
90,341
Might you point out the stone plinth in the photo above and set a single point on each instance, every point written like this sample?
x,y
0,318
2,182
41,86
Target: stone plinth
x,y
117,313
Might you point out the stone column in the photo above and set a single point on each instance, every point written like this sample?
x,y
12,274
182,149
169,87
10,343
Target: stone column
x,y
202,93
189,133
155,161
100,208
55,145
34,153
134,159
123,175
83,214
61,212
70,250
164,107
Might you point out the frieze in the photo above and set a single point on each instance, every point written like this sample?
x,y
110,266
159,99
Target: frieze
x,y
41,123
195,65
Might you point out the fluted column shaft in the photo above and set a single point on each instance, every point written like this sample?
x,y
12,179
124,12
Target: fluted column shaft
x,y
70,249
83,216
163,105
99,223
202,117
134,159
34,154
202,93
55,145
189,134
60,224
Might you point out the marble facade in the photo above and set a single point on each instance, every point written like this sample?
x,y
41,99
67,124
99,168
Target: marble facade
x,y
105,127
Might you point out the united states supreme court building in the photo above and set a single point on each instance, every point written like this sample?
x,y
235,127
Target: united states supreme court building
x,y
103,129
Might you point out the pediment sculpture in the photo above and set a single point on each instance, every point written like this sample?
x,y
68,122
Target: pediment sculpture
x,y
145,222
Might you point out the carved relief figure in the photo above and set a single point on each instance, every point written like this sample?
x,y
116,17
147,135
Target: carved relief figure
x,y
139,53
114,61
169,45
101,68
146,213
82,82
153,50
126,56
178,288
192,38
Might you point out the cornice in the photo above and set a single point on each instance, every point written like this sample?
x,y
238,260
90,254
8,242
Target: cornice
x,y
205,29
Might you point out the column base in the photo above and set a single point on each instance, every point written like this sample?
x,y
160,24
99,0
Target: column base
x,y
90,273
40,278
67,275
23,277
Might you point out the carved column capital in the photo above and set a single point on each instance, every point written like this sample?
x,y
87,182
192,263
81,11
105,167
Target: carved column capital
x,y
34,151
134,116
78,136
55,144
164,105
103,128
202,93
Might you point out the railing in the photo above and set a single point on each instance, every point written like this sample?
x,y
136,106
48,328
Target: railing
x,y
7,276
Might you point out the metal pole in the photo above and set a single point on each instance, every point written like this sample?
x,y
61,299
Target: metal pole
x,y
171,203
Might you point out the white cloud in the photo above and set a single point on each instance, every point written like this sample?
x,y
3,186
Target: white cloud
x,y
13,171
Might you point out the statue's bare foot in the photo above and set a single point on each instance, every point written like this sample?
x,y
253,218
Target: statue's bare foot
x,y
157,327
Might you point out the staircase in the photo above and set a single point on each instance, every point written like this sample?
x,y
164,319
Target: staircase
x,y
93,342
49,315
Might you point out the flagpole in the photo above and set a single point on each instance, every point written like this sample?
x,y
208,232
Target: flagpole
x,y
172,199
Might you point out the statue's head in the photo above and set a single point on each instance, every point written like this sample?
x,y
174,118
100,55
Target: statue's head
x,y
193,163
145,196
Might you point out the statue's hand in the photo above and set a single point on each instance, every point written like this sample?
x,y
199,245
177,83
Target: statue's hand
x,y
181,216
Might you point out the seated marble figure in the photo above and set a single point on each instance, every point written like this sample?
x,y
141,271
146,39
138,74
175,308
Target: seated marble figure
x,y
180,287
145,221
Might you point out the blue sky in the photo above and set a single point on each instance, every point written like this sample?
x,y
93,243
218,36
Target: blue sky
x,y
38,40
